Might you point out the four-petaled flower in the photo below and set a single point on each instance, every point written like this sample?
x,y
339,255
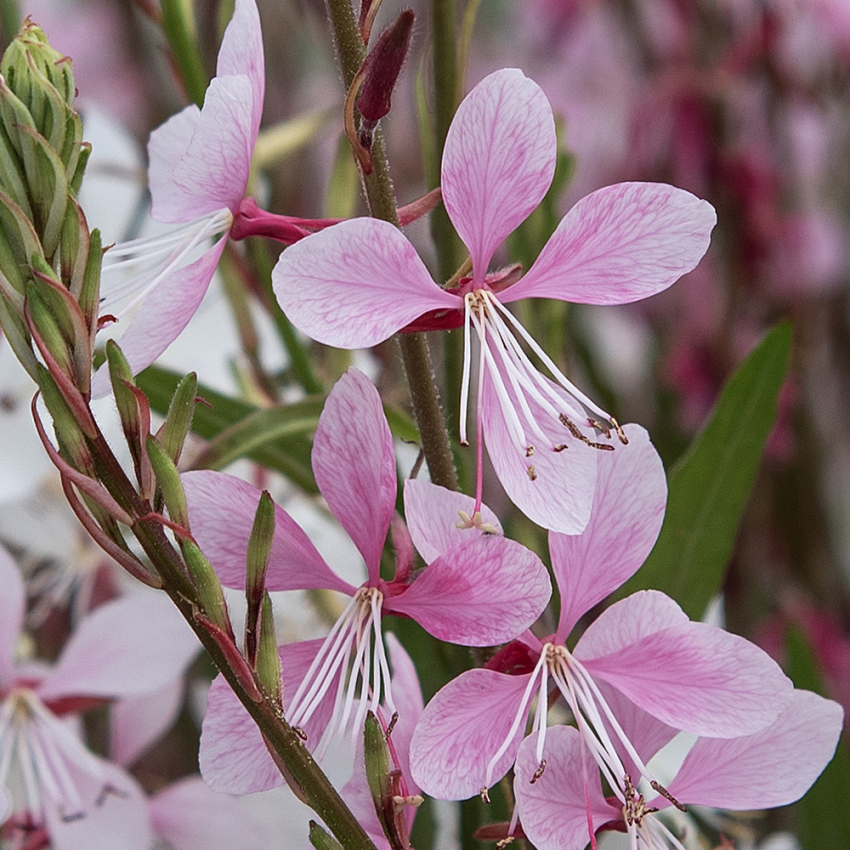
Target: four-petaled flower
x,y
478,589
355,284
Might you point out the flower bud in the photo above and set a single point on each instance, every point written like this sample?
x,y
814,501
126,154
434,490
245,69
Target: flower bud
x,y
177,423
168,480
321,839
259,548
210,593
268,658
383,781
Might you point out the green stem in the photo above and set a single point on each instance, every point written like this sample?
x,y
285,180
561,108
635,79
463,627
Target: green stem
x,y
379,192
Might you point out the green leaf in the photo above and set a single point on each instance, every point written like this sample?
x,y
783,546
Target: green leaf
x,y
178,25
709,486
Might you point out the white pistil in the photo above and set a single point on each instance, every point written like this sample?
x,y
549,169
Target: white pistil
x,y
354,649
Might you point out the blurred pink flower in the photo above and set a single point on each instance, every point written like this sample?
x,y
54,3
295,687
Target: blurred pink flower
x,y
641,664
355,284
479,588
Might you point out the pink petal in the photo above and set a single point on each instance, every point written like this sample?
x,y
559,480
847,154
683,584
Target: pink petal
x,y
354,464
356,284
561,495
554,811
233,756
498,161
482,592
213,172
774,767
115,813
692,676
167,145
462,728
241,52
189,815
130,646
433,514
620,244
11,615
163,315
221,515
408,695
138,722
628,509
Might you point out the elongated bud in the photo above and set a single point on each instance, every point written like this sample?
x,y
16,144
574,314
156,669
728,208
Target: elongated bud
x,y
209,588
381,70
383,781
321,839
168,480
268,657
178,422
69,434
259,549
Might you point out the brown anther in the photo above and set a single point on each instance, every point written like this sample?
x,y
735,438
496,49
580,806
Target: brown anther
x,y
620,432
560,447
529,451
538,773
485,795
532,473
505,842
634,808
573,429
300,732
657,786
393,722
599,425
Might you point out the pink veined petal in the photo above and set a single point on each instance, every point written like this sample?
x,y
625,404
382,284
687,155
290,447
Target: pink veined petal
x,y
132,645
221,514
498,161
462,729
167,145
138,722
698,678
561,495
482,592
11,615
355,284
628,509
115,814
241,52
233,757
620,244
774,767
163,315
191,816
433,514
354,464
213,172
554,811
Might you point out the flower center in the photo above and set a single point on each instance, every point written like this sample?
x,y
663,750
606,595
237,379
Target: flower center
x,y
352,652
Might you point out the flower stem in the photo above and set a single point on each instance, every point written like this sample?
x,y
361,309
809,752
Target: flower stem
x,y
379,193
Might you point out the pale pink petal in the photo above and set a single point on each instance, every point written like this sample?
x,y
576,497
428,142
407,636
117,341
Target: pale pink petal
x,y
693,677
554,811
132,645
138,722
189,815
221,515
433,514
462,728
354,464
233,757
115,813
11,615
620,244
408,695
628,509
241,52
356,284
482,592
167,145
162,315
213,172
561,494
498,161
774,767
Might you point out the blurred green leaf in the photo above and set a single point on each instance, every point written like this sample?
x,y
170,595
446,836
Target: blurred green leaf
x,y
822,822
709,486
179,28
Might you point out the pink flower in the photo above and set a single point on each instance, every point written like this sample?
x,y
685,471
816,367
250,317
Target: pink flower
x,y
199,165
355,284
53,783
563,806
641,663
478,589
